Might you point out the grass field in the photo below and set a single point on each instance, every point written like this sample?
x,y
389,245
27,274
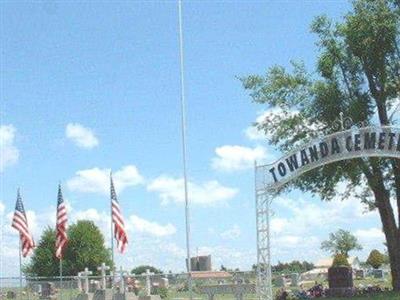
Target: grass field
x,y
184,296
173,294
383,296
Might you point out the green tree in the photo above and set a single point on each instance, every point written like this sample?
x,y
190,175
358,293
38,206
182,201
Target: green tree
x,y
291,267
85,248
341,242
376,259
44,262
142,269
357,73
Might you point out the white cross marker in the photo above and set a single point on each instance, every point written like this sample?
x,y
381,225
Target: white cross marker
x,y
103,269
122,274
85,275
79,278
148,283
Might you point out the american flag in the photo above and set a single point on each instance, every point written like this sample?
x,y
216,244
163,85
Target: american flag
x,y
20,223
118,221
61,225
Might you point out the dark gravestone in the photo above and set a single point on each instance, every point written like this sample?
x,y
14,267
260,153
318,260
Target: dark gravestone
x,y
103,294
360,274
378,274
340,282
46,288
11,295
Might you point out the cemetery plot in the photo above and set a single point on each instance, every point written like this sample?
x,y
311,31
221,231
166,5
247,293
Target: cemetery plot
x,y
207,285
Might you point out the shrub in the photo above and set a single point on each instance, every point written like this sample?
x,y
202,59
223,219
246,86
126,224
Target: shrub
x,y
161,291
375,259
340,260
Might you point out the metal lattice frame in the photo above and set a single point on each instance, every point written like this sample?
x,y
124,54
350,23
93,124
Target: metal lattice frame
x,y
266,188
264,274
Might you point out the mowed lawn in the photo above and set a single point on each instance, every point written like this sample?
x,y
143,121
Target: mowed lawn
x,y
382,296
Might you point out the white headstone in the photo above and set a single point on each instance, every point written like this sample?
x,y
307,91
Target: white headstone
x,y
79,278
103,269
148,282
85,275
280,282
294,279
122,274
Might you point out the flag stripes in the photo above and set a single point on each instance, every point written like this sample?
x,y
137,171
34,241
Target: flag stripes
x,y
61,225
20,223
118,221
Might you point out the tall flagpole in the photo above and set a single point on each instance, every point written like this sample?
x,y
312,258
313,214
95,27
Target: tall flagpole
x,y
183,126
112,237
61,274
20,260
20,267
60,262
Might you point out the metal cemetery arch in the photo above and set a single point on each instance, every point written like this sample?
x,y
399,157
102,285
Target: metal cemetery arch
x,y
352,143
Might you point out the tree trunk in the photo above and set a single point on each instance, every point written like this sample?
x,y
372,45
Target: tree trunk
x,y
392,239
385,209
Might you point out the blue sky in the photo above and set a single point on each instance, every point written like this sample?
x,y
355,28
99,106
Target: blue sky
x,y
89,87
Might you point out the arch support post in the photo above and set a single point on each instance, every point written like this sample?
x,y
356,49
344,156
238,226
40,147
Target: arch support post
x,y
263,213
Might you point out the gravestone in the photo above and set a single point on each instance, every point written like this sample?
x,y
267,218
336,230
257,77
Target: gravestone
x,y
103,272
133,284
340,281
378,274
79,282
237,290
85,295
122,275
11,295
360,274
294,279
47,290
280,282
163,283
101,292
123,292
94,285
148,295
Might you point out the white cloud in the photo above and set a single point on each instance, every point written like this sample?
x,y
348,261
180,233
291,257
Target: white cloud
x,y
82,137
174,250
97,180
394,111
233,158
302,224
289,240
208,193
275,114
253,133
229,257
152,228
133,223
32,219
372,233
2,208
371,238
149,242
9,153
91,214
232,233
279,224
